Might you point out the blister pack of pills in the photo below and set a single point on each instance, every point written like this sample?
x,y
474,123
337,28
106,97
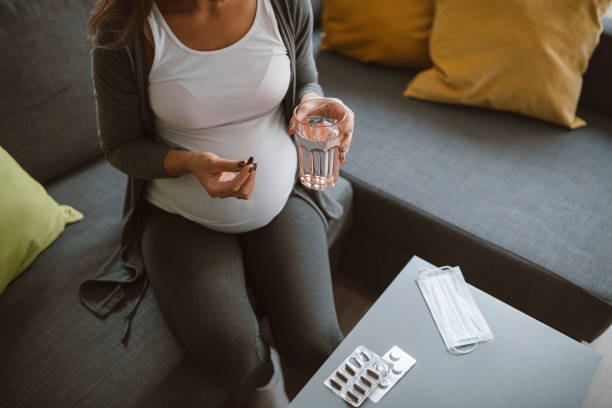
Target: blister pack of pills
x,y
364,374
400,362
357,376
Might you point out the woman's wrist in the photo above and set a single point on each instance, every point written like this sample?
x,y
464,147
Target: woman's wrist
x,y
309,95
179,162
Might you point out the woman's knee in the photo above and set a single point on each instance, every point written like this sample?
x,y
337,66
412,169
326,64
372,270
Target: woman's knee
x,y
234,360
308,351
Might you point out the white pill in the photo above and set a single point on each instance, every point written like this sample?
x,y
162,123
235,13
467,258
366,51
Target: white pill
x,y
384,383
394,356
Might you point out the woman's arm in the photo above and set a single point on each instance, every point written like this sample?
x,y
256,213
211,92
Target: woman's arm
x,y
128,149
305,67
120,130
307,84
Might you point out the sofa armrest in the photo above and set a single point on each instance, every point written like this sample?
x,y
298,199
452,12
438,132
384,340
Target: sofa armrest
x,y
597,85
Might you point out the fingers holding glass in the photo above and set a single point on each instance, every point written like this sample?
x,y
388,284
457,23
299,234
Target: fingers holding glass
x,y
347,130
345,145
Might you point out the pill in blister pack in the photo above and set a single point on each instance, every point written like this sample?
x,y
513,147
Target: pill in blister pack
x,y
358,375
399,362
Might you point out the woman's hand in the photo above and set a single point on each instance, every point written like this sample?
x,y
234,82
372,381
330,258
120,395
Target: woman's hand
x,y
346,127
219,177
224,178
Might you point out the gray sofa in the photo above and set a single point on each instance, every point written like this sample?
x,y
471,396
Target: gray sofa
x,y
521,205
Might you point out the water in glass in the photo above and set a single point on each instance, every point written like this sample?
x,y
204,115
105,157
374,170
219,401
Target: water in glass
x,y
317,138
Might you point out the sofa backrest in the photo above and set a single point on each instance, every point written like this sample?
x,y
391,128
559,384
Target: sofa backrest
x,y
48,121
597,85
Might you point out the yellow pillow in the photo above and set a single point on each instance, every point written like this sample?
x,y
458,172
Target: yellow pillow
x,y
30,219
391,32
524,56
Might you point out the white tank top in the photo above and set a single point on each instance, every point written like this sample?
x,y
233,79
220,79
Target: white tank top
x,y
227,102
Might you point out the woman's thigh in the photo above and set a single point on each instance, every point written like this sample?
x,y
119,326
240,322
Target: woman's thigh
x,y
198,279
287,264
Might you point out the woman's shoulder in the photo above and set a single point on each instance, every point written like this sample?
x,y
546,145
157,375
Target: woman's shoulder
x,y
114,63
108,34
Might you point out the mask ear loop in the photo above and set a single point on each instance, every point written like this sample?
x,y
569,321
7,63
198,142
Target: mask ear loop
x,y
424,271
456,350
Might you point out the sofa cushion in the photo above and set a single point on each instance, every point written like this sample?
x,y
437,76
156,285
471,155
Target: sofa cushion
x,y
48,119
520,56
531,188
386,31
30,219
54,351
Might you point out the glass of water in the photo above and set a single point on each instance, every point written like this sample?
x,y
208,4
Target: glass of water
x,y
317,136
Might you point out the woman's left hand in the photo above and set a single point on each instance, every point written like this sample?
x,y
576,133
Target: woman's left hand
x,y
346,127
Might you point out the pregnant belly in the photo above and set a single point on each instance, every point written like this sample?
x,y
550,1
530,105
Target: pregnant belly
x,y
276,158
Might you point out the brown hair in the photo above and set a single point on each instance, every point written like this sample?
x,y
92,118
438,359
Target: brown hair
x,y
123,18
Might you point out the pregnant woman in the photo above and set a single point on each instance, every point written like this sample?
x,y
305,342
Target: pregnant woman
x,y
194,100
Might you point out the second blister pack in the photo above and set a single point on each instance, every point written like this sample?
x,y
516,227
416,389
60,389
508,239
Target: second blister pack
x,y
399,363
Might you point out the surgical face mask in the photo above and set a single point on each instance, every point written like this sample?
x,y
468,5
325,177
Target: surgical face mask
x,y
460,322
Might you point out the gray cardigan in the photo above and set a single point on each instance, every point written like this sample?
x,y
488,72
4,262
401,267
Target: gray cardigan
x,y
126,133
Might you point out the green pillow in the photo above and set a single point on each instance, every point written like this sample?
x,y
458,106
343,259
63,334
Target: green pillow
x,y
30,220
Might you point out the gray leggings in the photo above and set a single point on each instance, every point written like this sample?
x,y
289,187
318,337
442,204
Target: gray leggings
x,y
199,279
